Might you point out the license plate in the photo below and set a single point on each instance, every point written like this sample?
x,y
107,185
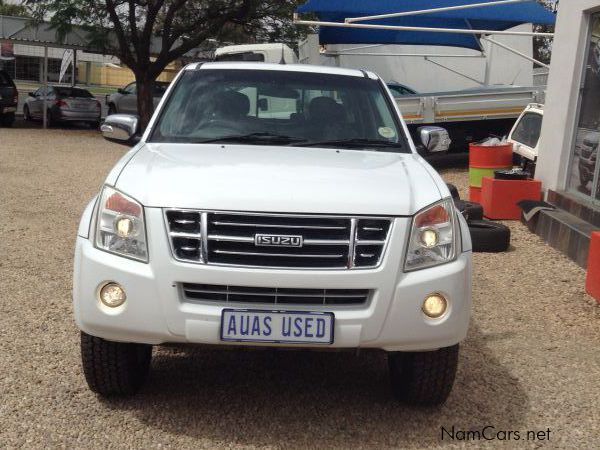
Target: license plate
x,y
285,327
10,109
82,106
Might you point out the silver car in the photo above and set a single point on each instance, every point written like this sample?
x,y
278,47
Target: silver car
x,y
124,101
64,104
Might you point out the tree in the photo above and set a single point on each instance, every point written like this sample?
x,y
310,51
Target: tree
x,y
542,46
147,35
13,10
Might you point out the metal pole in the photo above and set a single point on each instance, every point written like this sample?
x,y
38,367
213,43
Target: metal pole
x,y
45,113
421,29
360,47
454,71
73,71
515,51
488,63
432,10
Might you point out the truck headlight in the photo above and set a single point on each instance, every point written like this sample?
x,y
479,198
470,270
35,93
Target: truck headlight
x,y
432,237
120,226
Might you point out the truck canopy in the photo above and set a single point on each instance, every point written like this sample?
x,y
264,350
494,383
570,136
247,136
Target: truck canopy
x,y
474,18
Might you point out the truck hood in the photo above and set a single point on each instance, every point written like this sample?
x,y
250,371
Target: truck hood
x,y
278,179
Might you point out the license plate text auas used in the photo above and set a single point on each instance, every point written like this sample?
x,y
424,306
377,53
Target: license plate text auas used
x,y
277,326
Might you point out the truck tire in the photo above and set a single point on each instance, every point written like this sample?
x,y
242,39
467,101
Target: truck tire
x,y
423,378
114,368
469,210
453,191
26,114
489,237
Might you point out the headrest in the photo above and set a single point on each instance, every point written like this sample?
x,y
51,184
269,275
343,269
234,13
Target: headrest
x,y
232,104
325,108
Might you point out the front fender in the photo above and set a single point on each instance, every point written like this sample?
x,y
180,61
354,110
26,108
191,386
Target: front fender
x,y
86,219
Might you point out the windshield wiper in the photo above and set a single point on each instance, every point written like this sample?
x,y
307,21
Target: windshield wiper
x,y
353,143
253,137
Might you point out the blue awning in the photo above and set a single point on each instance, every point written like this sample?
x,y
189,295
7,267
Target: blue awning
x,y
497,18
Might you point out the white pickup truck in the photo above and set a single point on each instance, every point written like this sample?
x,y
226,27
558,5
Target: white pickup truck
x,y
227,224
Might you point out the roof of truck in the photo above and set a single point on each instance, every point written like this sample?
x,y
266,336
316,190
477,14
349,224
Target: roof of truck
x,y
227,65
250,47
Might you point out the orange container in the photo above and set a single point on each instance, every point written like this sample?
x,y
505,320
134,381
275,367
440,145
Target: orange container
x,y
592,282
475,194
493,157
499,198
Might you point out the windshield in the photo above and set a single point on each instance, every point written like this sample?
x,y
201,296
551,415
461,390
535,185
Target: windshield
x,y
265,107
72,92
528,130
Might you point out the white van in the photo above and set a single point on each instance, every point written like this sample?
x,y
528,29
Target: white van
x,y
269,53
525,135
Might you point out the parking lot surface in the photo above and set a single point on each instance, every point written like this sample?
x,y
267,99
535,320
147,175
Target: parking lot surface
x,y
531,361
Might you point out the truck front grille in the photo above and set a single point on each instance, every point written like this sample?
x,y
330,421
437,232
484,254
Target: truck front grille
x,y
277,240
288,296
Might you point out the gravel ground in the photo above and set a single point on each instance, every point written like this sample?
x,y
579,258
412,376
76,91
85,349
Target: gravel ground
x,y
531,361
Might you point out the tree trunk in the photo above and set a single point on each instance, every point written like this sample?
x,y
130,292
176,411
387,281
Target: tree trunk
x,y
145,98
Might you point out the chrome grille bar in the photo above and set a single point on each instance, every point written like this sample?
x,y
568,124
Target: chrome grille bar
x,y
320,242
224,294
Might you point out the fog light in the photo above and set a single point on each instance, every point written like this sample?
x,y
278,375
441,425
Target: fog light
x,y
435,306
112,295
429,238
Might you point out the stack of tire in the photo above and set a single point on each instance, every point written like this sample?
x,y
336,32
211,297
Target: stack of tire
x,y
486,236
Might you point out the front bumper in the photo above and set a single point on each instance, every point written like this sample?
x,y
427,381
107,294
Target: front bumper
x,y
8,109
156,312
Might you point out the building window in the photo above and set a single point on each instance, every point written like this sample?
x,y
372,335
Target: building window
x,y
584,170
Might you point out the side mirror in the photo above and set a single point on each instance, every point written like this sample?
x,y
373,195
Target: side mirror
x,y
122,128
263,104
122,91
31,94
434,139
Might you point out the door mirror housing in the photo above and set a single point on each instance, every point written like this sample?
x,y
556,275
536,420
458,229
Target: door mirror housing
x,y
263,104
31,94
434,139
122,91
121,128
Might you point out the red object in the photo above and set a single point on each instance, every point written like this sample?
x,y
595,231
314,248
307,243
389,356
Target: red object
x,y
492,157
592,282
499,198
475,194
60,103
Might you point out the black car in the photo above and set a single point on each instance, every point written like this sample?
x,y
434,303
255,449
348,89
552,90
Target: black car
x,y
9,98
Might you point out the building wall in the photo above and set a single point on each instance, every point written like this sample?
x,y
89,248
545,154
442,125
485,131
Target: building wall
x,y
562,96
92,69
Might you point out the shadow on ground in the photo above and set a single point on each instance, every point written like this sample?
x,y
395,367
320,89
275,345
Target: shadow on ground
x,y
293,398
22,124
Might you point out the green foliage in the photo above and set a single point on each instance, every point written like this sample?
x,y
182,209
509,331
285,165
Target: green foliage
x,y
542,46
146,35
13,10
